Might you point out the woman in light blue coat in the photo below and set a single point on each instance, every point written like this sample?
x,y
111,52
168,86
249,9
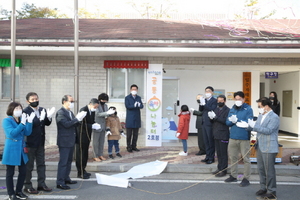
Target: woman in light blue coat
x,y
15,129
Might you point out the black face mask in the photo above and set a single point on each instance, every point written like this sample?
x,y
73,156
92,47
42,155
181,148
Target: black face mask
x,y
116,113
221,104
198,100
34,104
272,98
102,103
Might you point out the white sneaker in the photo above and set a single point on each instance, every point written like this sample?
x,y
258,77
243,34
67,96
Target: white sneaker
x,y
183,154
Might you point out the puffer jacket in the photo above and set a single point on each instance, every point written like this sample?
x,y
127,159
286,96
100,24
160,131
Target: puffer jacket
x,y
183,125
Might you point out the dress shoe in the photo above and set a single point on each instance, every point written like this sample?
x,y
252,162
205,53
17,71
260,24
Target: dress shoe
x,y
261,192
31,191
88,174
135,149
269,196
215,172
44,188
70,182
129,150
12,197
63,187
221,174
102,158
84,176
200,153
209,161
204,160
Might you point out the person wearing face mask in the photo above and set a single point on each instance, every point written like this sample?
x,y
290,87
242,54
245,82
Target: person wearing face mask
x,y
221,134
207,104
36,144
66,135
267,127
83,139
198,113
16,127
133,104
99,135
275,103
239,138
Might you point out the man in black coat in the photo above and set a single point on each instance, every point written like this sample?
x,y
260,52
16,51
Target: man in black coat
x,y
35,143
221,134
84,134
66,134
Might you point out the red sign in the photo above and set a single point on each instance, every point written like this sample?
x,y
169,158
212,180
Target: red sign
x,y
142,64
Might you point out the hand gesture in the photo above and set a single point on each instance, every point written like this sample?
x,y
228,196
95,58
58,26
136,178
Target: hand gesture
x,y
242,124
81,115
23,118
177,134
233,119
135,104
251,123
96,126
211,114
122,133
110,111
202,101
192,110
107,133
42,115
50,112
30,117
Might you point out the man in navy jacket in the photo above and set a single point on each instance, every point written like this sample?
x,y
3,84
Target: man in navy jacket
x,y
133,104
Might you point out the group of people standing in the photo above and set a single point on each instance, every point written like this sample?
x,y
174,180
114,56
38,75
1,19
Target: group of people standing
x,y
227,132
25,138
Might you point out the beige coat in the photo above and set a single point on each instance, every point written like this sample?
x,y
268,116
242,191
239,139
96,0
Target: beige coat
x,y
113,123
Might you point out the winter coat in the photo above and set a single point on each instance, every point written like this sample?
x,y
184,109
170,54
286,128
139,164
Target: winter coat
x,y
220,129
243,113
14,141
210,105
183,125
133,114
113,123
199,119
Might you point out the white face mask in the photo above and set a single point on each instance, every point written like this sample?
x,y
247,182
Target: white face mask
x,y
207,95
238,103
93,109
17,113
133,92
261,110
71,106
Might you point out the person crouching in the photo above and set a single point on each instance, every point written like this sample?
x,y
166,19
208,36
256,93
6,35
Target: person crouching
x,y
113,132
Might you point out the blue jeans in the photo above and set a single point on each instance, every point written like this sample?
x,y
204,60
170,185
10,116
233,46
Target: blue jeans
x,y
184,143
112,143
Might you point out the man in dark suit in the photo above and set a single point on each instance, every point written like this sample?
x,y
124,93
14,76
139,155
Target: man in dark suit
x,y
209,103
35,143
84,134
66,133
221,134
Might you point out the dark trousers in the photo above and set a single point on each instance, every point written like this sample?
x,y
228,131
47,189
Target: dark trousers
x,y
221,148
37,155
10,171
132,137
64,165
112,143
209,142
201,144
82,155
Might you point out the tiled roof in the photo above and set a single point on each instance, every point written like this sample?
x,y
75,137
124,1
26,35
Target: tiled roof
x,y
149,32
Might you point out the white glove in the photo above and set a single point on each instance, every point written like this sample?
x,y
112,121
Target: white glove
x,y
107,133
43,114
135,104
242,124
122,133
211,114
192,110
202,101
251,123
23,118
233,118
81,115
177,134
50,112
110,111
30,117
96,126
138,104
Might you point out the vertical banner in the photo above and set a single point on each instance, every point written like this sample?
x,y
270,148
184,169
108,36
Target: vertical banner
x,y
153,105
247,87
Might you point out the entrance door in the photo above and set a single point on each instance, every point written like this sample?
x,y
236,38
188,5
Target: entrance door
x,y
170,103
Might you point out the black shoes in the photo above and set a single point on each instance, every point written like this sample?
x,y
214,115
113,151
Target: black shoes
x,y
111,156
84,176
129,149
63,187
21,195
119,155
44,188
70,182
269,196
12,197
221,174
244,183
86,173
230,179
31,191
204,160
135,149
210,161
261,192
200,153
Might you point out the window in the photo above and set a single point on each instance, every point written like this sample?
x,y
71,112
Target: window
x,y
6,82
120,80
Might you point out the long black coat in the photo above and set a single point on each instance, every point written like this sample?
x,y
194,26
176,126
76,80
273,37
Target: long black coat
x,y
84,131
220,129
198,119
37,136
